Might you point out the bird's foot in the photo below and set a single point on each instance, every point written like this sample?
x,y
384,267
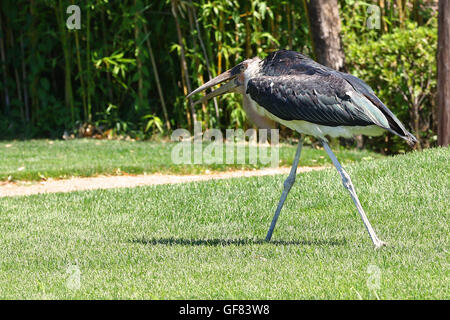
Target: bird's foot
x,y
380,244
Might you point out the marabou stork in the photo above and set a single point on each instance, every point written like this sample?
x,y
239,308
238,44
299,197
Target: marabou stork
x,y
307,97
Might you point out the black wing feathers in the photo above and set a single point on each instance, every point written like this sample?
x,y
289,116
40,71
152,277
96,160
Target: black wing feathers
x,y
307,97
294,87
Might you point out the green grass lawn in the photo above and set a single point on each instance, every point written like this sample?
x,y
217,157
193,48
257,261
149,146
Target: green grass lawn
x,y
205,240
40,159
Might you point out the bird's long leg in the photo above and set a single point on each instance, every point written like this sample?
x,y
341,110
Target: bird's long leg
x,y
287,187
347,182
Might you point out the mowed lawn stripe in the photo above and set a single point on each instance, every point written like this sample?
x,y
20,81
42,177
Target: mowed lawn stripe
x,y
42,159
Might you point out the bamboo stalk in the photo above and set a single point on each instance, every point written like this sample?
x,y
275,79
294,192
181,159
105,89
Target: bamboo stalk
x,y
67,68
81,76
256,28
196,60
17,78
400,12
382,6
138,57
418,18
184,68
236,41
5,76
204,109
24,80
273,30
108,74
205,114
88,65
35,75
313,47
157,80
294,24
208,65
80,72
288,14
406,11
219,45
248,48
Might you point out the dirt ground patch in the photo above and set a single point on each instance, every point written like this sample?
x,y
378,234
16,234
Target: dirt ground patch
x,y
21,188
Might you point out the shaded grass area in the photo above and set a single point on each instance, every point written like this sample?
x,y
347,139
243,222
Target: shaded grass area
x,y
205,240
40,159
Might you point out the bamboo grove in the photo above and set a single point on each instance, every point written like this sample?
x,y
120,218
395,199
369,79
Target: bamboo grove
x,y
129,67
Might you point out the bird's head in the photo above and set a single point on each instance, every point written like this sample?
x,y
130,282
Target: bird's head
x,y
237,78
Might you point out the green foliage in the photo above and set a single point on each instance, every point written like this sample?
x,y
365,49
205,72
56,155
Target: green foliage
x,y
400,67
53,79
102,73
153,122
115,64
110,119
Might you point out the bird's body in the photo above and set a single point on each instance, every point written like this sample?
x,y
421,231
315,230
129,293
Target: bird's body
x,y
293,90
305,96
319,130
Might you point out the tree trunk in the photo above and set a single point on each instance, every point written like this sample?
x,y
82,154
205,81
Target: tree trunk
x,y
443,57
325,27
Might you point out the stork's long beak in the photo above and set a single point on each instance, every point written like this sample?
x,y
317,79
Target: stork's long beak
x,y
227,75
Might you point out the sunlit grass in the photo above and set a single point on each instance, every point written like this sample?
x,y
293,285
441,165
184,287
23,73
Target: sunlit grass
x,y
205,240
41,159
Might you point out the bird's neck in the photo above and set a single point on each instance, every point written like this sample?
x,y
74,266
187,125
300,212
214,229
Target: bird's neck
x,y
253,70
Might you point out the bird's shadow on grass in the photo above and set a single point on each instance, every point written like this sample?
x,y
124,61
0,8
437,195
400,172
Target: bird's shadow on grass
x,y
235,242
